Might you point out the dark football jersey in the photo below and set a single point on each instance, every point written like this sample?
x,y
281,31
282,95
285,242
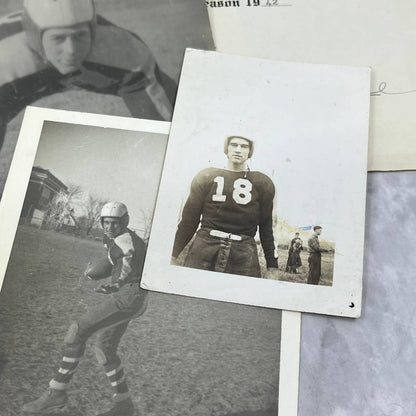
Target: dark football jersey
x,y
233,202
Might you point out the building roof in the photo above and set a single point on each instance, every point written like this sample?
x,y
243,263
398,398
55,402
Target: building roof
x,y
45,177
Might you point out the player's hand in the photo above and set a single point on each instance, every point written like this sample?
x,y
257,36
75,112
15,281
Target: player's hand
x,y
108,289
272,273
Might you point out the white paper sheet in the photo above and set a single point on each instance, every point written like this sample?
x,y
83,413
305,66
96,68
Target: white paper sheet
x,y
376,33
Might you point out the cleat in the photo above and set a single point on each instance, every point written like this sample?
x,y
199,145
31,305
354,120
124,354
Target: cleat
x,y
121,408
50,400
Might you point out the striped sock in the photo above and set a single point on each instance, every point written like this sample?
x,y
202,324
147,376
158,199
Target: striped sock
x,y
65,373
117,379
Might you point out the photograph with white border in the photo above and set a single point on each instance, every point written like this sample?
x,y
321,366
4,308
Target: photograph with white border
x,y
116,58
262,197
179,355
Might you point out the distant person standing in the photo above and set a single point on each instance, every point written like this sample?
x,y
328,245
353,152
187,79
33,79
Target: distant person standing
x,y
315,256
294,261
294,239
290,251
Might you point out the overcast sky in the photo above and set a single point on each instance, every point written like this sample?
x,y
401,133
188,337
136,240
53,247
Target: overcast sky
x,y
108,163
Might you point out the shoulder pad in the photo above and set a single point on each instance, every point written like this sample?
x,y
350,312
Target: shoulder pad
x,y
17,60
125,242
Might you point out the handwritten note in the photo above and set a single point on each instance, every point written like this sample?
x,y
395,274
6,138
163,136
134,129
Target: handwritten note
x,y
247,3
383,90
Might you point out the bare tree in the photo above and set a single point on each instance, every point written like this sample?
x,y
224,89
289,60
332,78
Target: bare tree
x,y
61,208
144,230
92,207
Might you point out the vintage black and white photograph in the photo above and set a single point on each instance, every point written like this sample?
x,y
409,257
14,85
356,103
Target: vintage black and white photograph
x,y
225,209
262,198
79,335
97,56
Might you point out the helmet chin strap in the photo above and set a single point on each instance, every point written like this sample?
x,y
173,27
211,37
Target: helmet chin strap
x,y
246,171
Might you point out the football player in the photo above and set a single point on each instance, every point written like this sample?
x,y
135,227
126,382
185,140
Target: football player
x,y
229,205
56,45
125,300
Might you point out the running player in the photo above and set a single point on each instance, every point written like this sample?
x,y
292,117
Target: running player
x,y
229,205
125,300
56,45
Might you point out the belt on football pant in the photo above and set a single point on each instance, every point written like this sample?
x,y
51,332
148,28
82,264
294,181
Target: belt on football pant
x,y
222,234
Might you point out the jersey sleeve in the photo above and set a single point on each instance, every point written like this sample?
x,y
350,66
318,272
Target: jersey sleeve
x,y
266,225
130,261
191,215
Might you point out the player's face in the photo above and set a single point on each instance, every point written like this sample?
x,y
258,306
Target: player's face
x,y
66,48
112,227
318,231
238,150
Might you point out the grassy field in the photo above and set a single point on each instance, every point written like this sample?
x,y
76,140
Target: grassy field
x,y
327,267
302,272
167,27
183,357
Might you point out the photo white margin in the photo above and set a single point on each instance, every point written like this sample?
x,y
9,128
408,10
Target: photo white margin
x,y
15,192
344,297
24,156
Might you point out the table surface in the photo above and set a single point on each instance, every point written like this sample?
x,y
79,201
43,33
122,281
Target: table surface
x,y
367,366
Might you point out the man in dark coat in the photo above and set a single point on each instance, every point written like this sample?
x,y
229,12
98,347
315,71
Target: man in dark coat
x,y
288,264
314,259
